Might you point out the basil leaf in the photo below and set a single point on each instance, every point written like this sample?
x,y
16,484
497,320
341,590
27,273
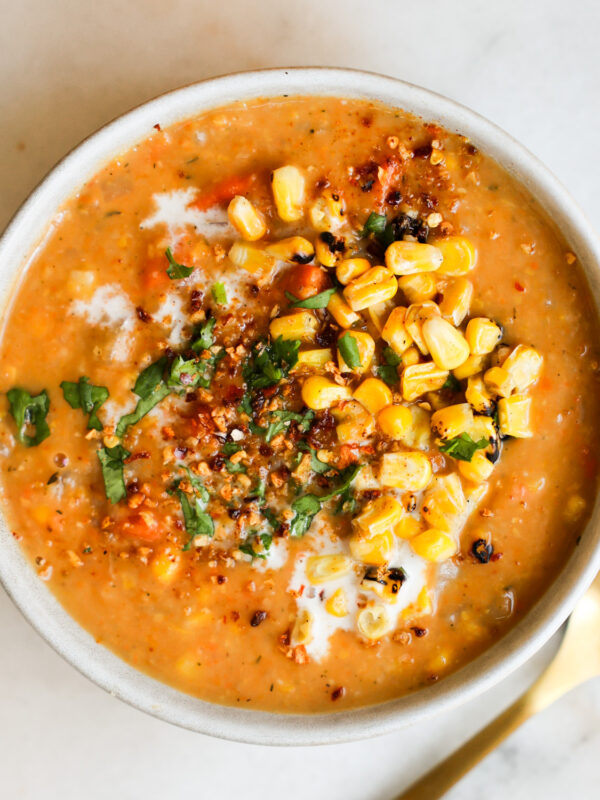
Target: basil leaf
x,y
320,300
270,363
234,469
306,507
462,447
229,448
346,477
176,271
112,462
144,405
259,491
266,540
219,293
389,372
375,224
271,517
349,350
28,410
197,521
204,338
149,378
87,397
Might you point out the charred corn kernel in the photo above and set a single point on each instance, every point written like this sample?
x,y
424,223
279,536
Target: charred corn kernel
x,y
313,359
416,316
375,286
574,508
341,311
380,515
251,257
498,381
452,421
244,217
420,378
407,527
482,335
302,631
366,351
373,394
165,565
478,469
288,193
295,249
356,424
443,502
478,396
524,365
375,550
411,357
320,393
471,366
337,604
459,255
350,268
514,416
327,212
379,313
394,331
394,421
303,325
447,345
407,258
434,545
329,249
386,584
374,622
410,471
456,300
320,569
418,288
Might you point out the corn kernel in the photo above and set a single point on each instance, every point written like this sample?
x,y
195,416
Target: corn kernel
x,y
456,300
379,313
251,257
374,286
407,258
356,424
394,421
447,345
294,249
514,416
434,545
411,357
418,288
313,360
416,316
244,217
380,515
478,469
482,335
302,631
320,393
478,396
498,381
329,249
327,212
386,584
165,565
337,604
373,394
394,331
471,366
453,420
459,255
320,569
524,366
375,550
410,471
302,325
351,268
421,378
374,622
341,311
288,192
444,502
407,527
366,351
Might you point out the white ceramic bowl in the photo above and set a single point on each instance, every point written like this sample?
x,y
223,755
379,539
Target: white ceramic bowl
x,y
24,235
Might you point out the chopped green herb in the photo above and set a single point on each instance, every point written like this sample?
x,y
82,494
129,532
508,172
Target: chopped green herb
x,y
349,350
219,293
259,491
452,384
229,448
270,363
151,389
52,479
320,300
112,462
389,371
176,271
234,469
29,411
265,538
462,447
271,517
87,397
307,506
284,418
197,521
204,338
375,225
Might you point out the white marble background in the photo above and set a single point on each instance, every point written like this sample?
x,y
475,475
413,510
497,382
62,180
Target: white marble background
x,y
66,67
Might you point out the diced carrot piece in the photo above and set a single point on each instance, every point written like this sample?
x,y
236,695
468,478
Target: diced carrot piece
x,y
306,280
224,191
154,273
142,526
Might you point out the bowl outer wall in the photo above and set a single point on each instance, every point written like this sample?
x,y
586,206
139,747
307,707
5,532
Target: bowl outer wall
x,y
24,237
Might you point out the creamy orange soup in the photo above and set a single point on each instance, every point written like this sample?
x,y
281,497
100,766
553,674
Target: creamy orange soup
x,y
299,404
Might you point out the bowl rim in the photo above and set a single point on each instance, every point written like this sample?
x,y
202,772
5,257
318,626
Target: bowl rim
x,y
25,235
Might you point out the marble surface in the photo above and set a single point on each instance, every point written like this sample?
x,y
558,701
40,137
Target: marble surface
x,y
68,66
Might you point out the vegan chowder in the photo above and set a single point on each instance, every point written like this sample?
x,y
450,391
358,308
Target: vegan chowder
x,y
300,404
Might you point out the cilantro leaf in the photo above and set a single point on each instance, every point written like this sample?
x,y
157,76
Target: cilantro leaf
x,y
197,521
176,271
259,491
388,372
229,448
87,397
204,337
28,410
219,293
112,462
375,224
452,383
265,538
349,350
270,363
234,469
271,517
151,389
462,447
149,378
320,300
305,508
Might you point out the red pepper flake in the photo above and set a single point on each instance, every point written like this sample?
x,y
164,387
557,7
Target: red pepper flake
x,y
519,287
137,456
419,632
258,617
338,693
157,126
221,579
143,315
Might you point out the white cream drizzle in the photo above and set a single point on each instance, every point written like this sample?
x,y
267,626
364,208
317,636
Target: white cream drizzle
x,y
174,211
